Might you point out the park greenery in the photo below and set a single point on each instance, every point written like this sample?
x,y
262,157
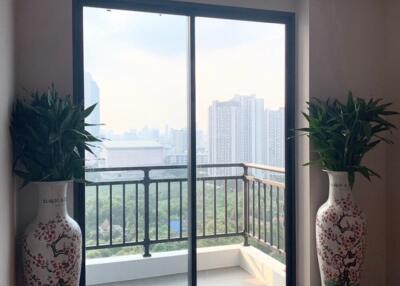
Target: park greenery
x,y
204,226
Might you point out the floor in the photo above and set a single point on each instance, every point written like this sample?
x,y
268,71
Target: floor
x,y
234,276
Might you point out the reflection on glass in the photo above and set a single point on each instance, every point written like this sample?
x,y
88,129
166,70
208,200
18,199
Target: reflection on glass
x,y
240,81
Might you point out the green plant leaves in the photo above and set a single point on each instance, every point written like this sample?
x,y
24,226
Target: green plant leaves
x,y
342,134
49,137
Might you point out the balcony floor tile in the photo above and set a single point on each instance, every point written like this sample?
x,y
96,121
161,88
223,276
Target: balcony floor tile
x,y
234,276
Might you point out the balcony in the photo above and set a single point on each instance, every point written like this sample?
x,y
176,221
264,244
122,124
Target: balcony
x,y
136,218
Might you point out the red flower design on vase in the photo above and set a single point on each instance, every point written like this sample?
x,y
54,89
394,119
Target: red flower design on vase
x,y
340,232
52,243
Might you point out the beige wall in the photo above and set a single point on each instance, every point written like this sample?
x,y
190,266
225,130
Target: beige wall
x,y
346,48
43,54
340,48
43,44
392,85
7,221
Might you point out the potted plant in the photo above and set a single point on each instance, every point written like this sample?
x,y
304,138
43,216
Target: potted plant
x,y
341,134
49,139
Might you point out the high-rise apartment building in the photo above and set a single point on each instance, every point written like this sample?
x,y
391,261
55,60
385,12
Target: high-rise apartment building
x,y
275,137
250,128
240,130
236,131
223,127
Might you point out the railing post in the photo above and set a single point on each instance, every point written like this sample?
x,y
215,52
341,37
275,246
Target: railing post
x,y
246,205
146,242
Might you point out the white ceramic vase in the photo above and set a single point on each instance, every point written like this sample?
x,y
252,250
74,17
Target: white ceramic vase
x,y
341,231
52,242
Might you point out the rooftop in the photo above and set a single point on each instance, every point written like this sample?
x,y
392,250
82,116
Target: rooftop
x,y
134,144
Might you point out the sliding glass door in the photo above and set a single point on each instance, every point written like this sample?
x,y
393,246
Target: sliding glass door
x,y
240,90
135,68
193,183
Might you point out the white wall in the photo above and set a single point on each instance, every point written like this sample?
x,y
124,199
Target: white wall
x,y
134,267
7,221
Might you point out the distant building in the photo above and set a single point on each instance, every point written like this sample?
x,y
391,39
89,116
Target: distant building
x,y
182,159
250,120
275,137
236,131
92,96
240,130
178,139
176,159
133,153
148,134
223,127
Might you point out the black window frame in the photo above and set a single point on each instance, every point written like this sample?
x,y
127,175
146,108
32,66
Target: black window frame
x,y
193,10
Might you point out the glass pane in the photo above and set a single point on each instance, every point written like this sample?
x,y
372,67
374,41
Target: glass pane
x,y
136,69
240,126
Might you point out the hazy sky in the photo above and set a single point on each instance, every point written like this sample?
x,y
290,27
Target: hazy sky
x,y
139,61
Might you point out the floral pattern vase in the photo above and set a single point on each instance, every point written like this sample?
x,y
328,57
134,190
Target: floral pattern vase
x,y
341,231
52,242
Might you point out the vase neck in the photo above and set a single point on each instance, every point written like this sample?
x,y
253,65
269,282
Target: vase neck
x,y
339,188
52,199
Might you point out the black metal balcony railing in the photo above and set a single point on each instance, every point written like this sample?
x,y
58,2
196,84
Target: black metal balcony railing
x,y
149,209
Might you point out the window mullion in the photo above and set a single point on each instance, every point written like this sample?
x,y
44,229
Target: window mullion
x,y
192,237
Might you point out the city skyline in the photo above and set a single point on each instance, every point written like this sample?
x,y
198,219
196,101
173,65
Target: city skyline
x,y
92,96
241,129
